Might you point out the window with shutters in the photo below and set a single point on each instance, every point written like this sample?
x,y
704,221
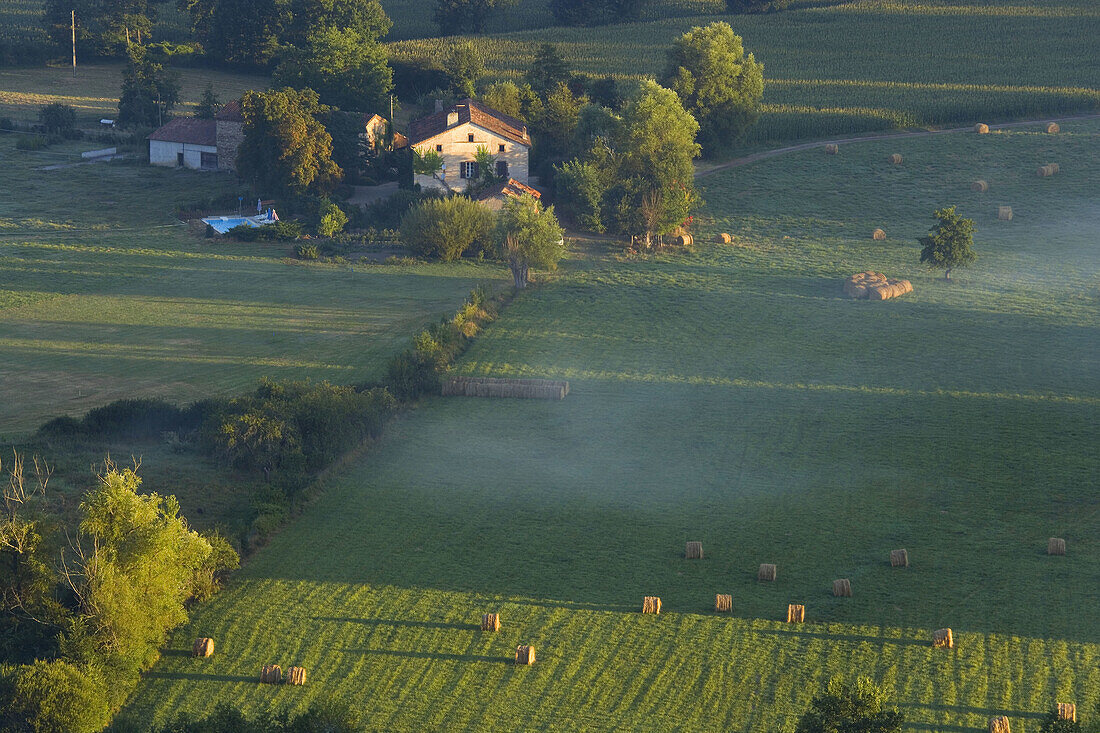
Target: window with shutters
x,y
468,169
502,168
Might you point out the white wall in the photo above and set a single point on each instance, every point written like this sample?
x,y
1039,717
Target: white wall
x,y
164,153
458,148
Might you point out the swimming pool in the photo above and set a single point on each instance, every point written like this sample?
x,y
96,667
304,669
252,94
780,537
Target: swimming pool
x,y
223,224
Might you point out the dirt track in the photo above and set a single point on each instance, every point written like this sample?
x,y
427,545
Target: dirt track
x,y
738,162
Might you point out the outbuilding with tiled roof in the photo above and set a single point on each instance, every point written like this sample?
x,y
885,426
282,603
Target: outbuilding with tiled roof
x,y
185,142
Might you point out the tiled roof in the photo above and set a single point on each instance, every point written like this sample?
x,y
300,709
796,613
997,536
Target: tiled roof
x,y
469,111
190,130
230,112
512,188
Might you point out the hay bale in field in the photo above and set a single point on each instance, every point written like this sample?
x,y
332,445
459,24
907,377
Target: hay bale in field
x,y
1004,213
796,613
490,622
1055,167
693,551
899,559
684,240
1045,171
979,186
651,604
766,572
723,238
296,676
202,647
723,603
525,654
1052,128
1056,546
943,639
832,149
981,128
878,234
1066,711
534,389
271,674
907,286
999,725
842,588
895,159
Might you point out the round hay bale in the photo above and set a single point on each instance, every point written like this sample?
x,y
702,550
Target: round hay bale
x,y
796,613
203,647
296,676
832,149
943,639
999,725
981,128
525,654
1055,167
651,604
723,603
1045,171
842,588
490,622
684,240
1066,711
693,551
271,674
1004,213
895,159
1052,128
1056,546
723,238
766,572
979,186
899,559
878,234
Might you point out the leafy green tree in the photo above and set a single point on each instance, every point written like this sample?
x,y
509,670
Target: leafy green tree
x,y
286,148
503,96
465,16
1053,724
209,105
365,17
465,66
581,187
445,228
57,118
553,123
717,83
53,696
246,33
529,236
332,221
548,70
756,6
346,68
950,244
859,708
149,90
102,28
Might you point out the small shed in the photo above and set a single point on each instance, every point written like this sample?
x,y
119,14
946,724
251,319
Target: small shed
x,y
185,142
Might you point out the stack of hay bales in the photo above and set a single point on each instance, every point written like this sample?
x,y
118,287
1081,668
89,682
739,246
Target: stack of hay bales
x,y
832,149
895,159
271,674
296,676
651,604
766,572
534,389
693,551
202,647
490,622
899,559
979,186
723,238
1004,213
981,128
842,588
1053,128
796,613
878,234
723,603
525,654
1056,546
999,725
875,286
943,639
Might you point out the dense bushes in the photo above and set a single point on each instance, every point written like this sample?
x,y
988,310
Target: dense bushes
x,y
320,717
129,419
53,695
280,231
447,228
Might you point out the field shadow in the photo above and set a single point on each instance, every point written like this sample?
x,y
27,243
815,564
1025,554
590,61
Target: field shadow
x,y
434,656
200,677
397,622
175,653
847,637
971,710
577,605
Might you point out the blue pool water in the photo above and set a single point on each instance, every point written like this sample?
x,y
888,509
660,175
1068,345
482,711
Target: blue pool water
x,y
223,224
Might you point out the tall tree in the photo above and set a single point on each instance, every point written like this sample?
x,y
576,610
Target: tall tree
x,y
659,138
465,16
149,89
209,105
286,149
102,28
854,708
950,244
247,32
548,69
464,67
347,69
717,83
365,17
529,236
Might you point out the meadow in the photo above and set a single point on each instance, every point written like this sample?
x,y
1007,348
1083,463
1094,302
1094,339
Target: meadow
x,y
732,395
104,295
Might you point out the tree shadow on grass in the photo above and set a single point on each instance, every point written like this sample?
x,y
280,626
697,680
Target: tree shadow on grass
x,y
847,637
175,653
200,677
398,622
969,709
434,656
577,606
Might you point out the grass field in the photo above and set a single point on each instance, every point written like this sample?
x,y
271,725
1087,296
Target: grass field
x,y
102,296
861,66
729,395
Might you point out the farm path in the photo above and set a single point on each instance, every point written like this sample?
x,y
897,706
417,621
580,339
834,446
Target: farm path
x,y
765,154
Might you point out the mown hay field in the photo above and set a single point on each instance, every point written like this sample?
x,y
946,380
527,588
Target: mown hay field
x,y
855,67
730,395
103,296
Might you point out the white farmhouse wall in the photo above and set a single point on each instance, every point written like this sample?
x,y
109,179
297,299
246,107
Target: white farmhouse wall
x,y
164,153
457,149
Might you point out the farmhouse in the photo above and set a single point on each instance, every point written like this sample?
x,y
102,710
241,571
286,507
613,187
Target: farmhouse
x,y
185,142
456,134
375,129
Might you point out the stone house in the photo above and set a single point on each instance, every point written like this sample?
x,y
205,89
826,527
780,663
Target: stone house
x,y
229,132
188,142
455,134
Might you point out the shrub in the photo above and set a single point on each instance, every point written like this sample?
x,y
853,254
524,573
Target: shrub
x,y
860,707
31,142
1053,724
306,252
387,213
446,228
332,221
50,696
57,119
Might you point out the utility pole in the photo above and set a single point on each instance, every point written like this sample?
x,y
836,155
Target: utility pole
x,y
74,43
